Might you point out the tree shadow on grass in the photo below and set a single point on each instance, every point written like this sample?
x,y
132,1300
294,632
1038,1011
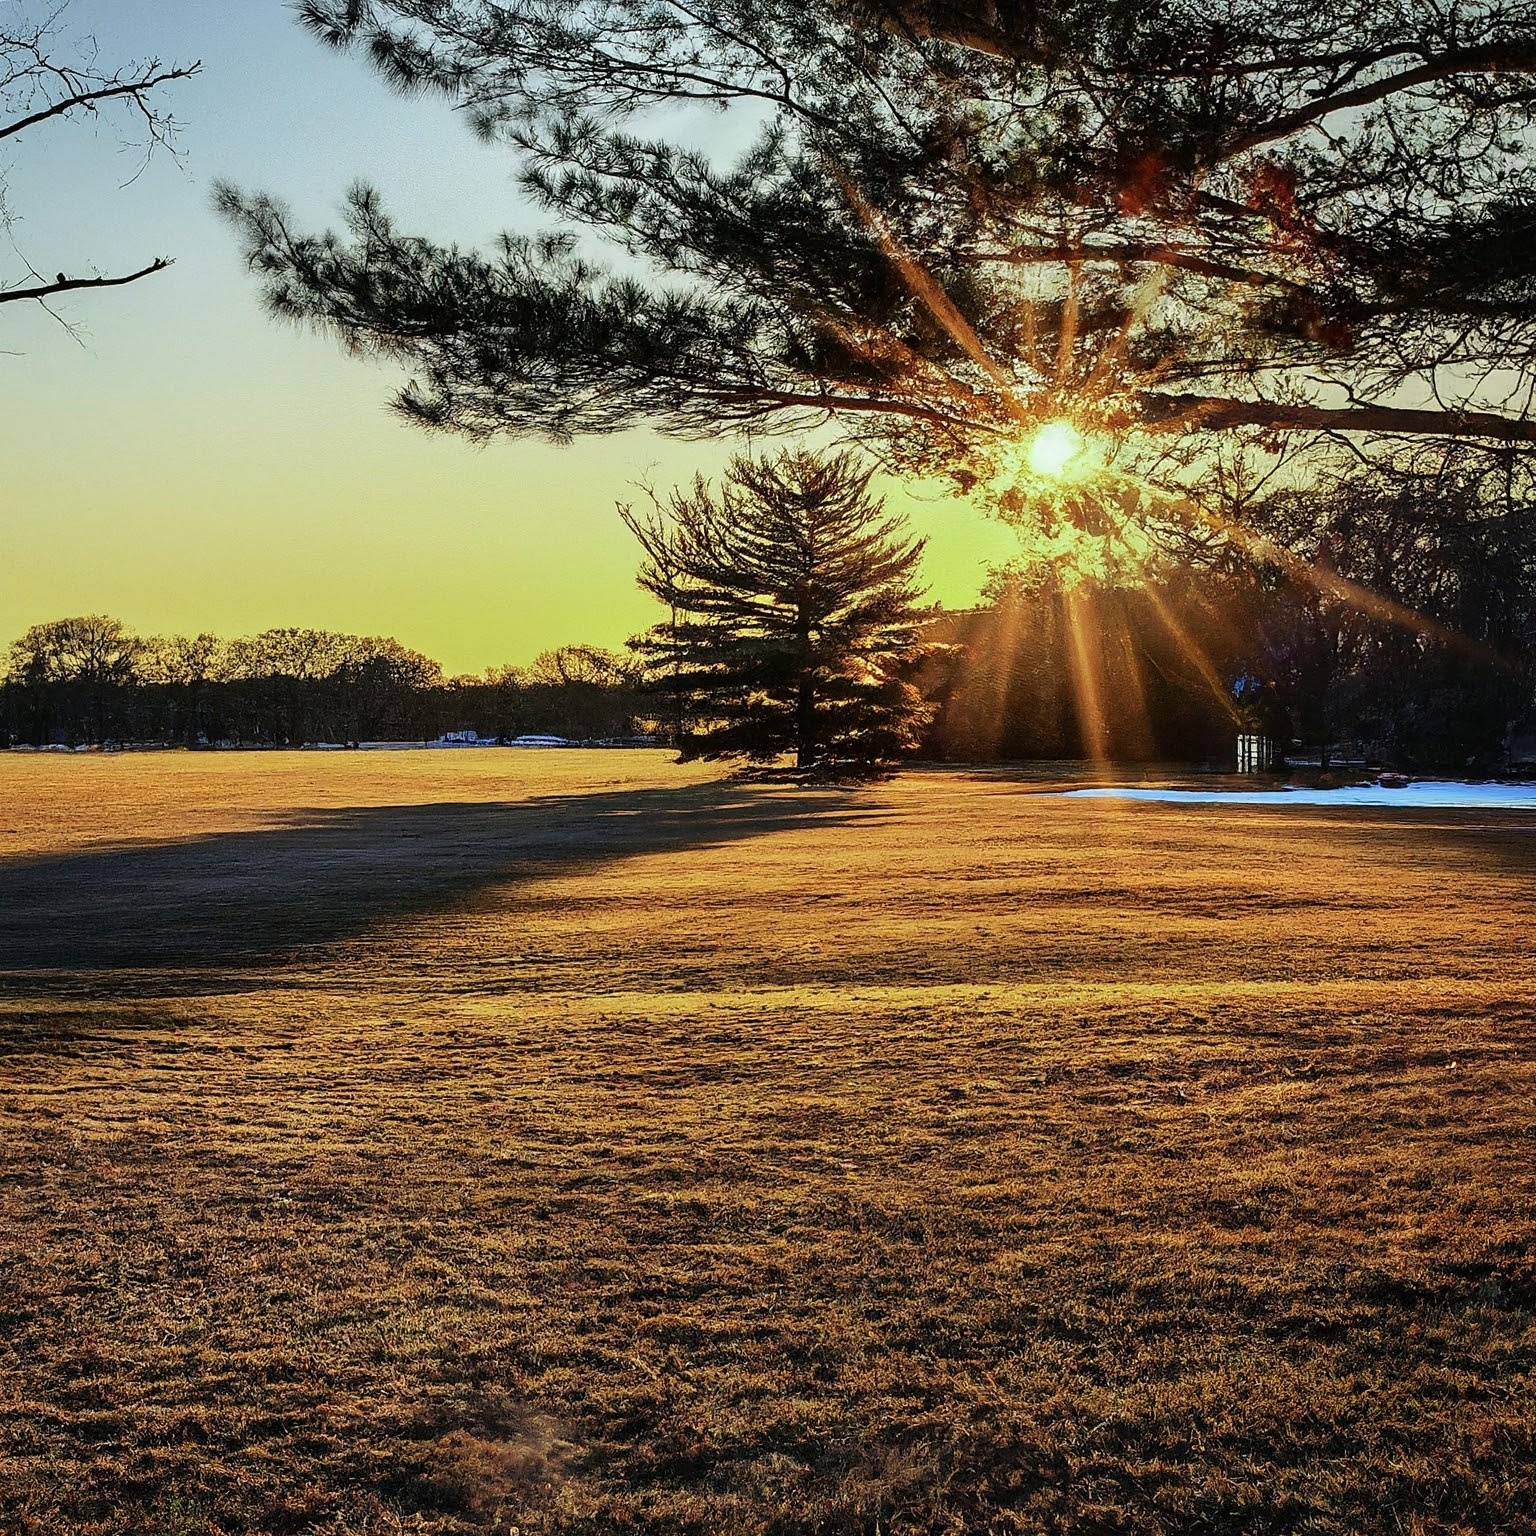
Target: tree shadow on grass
x,y
233,900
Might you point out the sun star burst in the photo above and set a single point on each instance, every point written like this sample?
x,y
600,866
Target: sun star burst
x,y
1055,449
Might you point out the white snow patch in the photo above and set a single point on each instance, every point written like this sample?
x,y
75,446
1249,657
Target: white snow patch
x,y
1430,794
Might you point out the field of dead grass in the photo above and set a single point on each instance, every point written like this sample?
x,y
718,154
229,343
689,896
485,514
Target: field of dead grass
x,y
573,1143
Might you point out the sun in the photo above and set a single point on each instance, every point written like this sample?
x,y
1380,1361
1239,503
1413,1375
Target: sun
x,y
1053,449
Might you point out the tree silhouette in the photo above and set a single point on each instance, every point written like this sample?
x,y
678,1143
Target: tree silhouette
x,y
78,664
959,219
792,605
92,680
44,83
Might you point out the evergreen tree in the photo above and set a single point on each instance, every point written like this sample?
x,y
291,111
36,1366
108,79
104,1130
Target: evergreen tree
x,y
793,606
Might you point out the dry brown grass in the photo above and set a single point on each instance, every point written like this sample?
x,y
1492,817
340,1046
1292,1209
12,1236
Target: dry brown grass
x,y
576,1144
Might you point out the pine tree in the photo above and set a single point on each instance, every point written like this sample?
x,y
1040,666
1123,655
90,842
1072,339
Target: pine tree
x,y
959,219
793,605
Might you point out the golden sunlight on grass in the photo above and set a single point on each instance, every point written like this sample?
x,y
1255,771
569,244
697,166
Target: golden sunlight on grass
x,y
442,1144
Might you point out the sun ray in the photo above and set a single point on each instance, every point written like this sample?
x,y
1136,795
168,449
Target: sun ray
x,y
1031,338
1146,295
1066,340
1129,681
1010,634
930,292
984,675
1326,582
1053,450
1190,649
1085,660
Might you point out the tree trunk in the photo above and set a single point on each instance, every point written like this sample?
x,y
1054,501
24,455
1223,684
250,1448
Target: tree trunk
x,y
805,698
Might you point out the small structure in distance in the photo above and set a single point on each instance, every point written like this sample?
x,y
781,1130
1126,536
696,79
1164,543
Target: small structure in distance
x,y
463,739
1255,753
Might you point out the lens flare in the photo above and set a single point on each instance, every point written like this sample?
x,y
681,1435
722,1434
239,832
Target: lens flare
x,y
1054,448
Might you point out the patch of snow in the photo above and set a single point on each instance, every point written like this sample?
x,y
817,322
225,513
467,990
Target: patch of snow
x,y
1426,794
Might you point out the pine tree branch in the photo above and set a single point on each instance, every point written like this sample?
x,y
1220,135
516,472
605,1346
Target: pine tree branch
x,y
1178,413
971,34
1128,252
1489,59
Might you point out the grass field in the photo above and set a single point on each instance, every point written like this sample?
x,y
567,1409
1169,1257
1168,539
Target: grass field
x,y
572,1142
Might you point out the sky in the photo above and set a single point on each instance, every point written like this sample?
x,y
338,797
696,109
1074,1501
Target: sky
x,y
185,463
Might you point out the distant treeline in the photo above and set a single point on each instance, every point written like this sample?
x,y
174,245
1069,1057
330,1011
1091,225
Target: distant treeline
x,y
1174,670
92,680
1390,618
1171,670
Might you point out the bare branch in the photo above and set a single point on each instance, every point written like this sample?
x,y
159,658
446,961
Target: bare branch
x,y
91,96
64,284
